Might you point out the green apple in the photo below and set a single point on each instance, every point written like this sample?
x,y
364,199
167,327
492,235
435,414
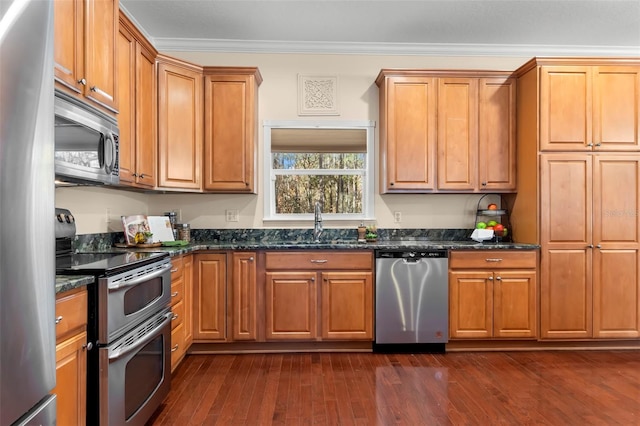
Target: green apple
x,y
481,225
492,223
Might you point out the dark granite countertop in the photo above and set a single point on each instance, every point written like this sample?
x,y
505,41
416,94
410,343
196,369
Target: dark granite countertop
x,y
70,282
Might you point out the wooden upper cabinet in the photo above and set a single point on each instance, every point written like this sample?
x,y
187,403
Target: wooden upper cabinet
x,y
137,117
407,134
457,133
497,134
447,131
85,33
180,129
230,114
616,108
590,108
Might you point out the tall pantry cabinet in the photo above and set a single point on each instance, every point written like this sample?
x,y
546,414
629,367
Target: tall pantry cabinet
x,y
579,193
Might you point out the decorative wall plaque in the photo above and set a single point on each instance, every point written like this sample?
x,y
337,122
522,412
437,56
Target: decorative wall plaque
x,y
317,95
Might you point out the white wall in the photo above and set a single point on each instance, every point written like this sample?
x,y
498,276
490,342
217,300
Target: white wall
x,y
357,100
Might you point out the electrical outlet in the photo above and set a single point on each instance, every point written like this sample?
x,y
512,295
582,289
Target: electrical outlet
x,y
232,215
397,217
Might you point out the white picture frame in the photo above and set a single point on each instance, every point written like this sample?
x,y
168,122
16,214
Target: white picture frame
x,y
317,95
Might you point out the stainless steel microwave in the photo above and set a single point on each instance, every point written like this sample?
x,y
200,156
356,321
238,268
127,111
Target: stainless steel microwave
x,y
86,144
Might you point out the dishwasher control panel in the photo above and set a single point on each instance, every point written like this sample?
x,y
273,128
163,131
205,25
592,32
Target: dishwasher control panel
x,y
411,254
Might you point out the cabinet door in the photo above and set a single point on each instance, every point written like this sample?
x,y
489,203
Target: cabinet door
x,y
514,304
565,108
347,305
101,28
291,306
616,109
616,235
497,134
230,102
566,236
244,295
188,299
470,304
126,54
71,380
68,48
457,133
146,143
180,131
408,111
209,294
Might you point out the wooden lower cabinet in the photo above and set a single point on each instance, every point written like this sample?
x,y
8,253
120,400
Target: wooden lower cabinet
x,y
209,297
340,308
244,296
492,294
71,357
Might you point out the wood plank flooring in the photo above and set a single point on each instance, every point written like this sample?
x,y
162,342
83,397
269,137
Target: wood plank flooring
x,y
471,388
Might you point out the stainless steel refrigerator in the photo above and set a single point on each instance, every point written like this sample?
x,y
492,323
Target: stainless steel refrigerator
x,y
27,240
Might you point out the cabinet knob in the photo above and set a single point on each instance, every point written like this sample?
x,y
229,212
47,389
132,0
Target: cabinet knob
x,y
246,184
87,346
598,144
390,183
134,174
590,246
141,175
174,294
490,278
598,246
175,348
58,319
589,144
174,317
484,184
82,81
251,259
499,278
94,88
313,278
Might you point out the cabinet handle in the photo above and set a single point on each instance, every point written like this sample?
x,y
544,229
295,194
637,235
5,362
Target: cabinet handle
x,y
499,278
175,348
174,270
82,81
58,319
493,259
174,316
174,294
319,260
87,346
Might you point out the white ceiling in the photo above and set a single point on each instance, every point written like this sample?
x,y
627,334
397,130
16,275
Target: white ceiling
x,y
436,27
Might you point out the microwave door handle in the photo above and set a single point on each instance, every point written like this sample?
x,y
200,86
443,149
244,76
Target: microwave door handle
x,y
144,340
135,281
108,146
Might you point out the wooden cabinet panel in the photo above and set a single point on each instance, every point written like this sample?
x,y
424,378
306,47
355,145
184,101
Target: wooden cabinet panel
x,y
566,294
347,305
616,109
494,299
69,44
318,260
497,134
292,305
457,133
71,380
566,199
188,299
101,27
209,293
514,304
565,108
180,131
137,117
71,312
178,349
471,304
408,137
244,296
230,116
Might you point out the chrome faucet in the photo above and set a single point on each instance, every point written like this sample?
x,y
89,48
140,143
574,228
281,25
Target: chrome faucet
x,y
317,223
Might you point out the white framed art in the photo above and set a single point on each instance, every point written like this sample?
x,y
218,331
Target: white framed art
x,y
317,95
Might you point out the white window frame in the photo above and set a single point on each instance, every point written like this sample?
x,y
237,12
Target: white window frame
x,y
269,174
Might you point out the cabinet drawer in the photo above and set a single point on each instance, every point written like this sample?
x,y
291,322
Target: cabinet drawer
x,y
176,268
319,260
492,259
177,291
178,314
177,345
71,312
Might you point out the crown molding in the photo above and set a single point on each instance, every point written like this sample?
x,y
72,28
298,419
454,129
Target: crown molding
x,y
138,25
409,49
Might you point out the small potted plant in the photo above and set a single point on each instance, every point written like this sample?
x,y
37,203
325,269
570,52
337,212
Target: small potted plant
x,y
372,234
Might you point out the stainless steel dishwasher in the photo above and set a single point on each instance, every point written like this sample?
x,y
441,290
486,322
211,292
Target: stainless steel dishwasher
x,y
412,301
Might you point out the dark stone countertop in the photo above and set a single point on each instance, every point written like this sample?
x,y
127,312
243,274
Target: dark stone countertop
x,y
70,282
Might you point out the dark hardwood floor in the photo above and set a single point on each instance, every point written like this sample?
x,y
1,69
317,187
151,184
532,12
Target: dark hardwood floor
x,y
470,388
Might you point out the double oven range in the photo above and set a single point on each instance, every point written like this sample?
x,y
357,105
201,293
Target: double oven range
x,y
129,330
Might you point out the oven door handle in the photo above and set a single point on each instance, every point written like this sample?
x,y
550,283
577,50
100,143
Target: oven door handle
x,y
135,281
144,340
